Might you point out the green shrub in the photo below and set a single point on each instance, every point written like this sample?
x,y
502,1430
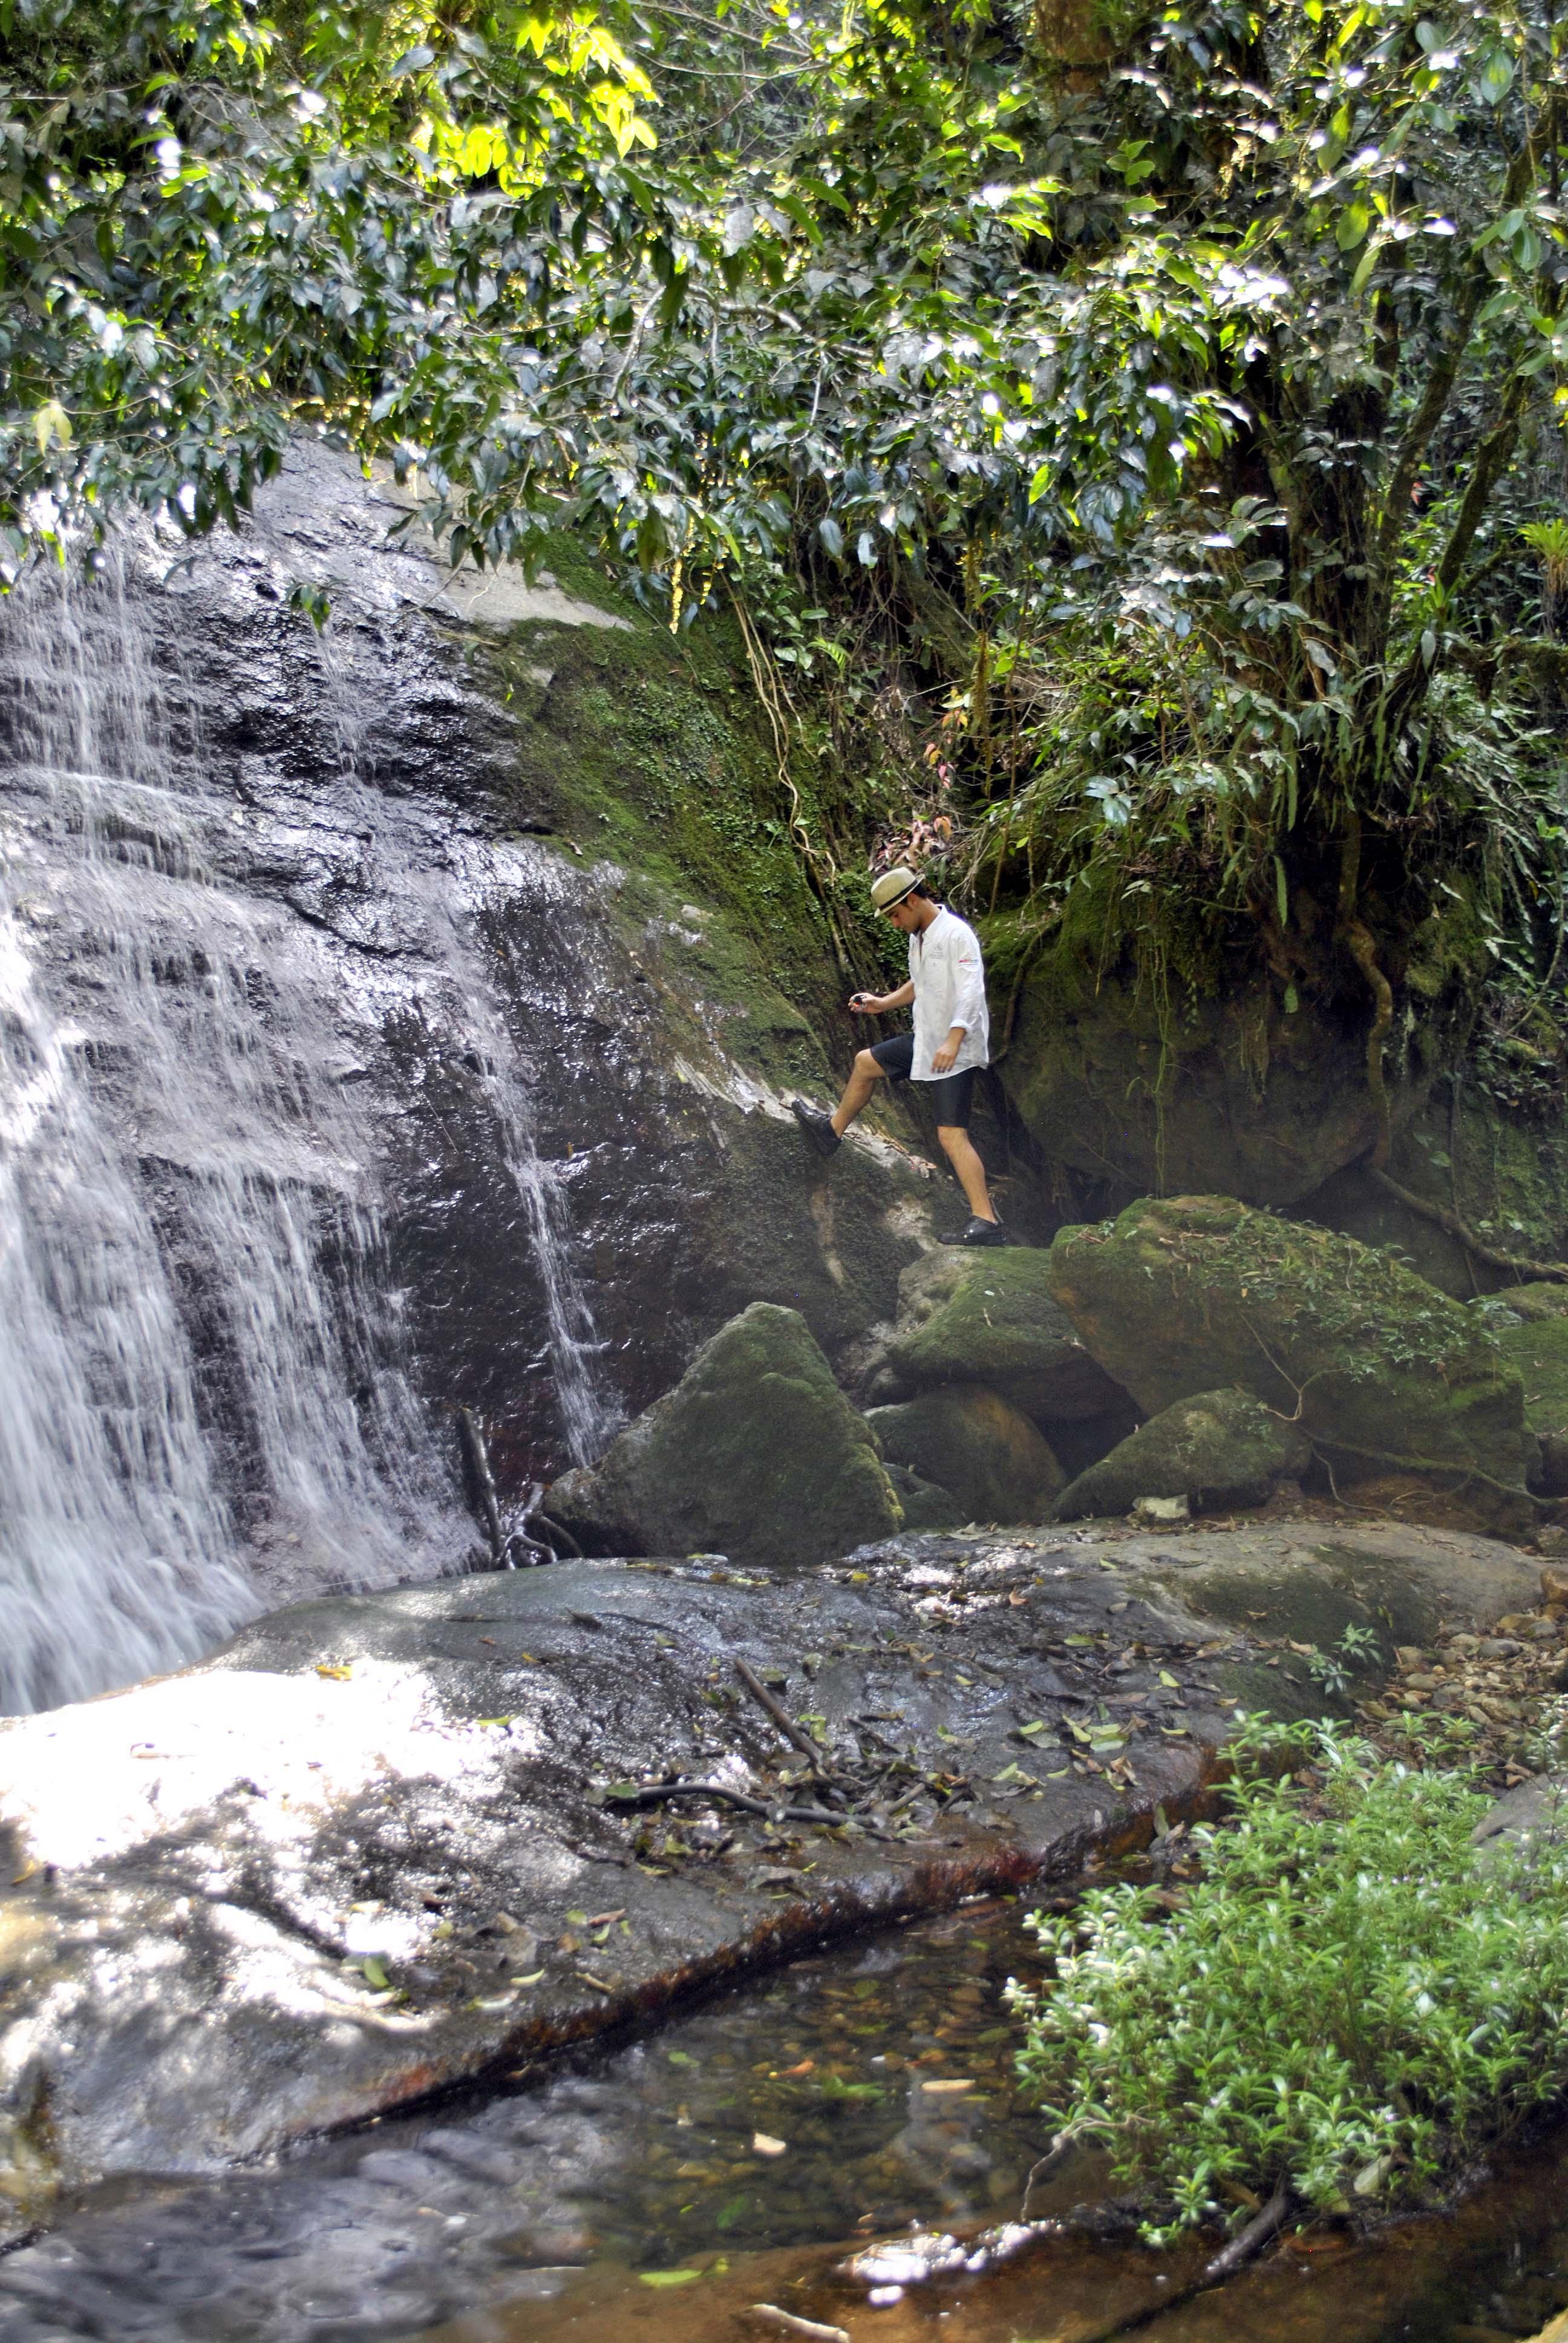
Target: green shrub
x,y
1349,2000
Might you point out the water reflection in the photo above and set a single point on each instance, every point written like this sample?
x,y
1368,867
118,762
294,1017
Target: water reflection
x,y
659,2188
859,2089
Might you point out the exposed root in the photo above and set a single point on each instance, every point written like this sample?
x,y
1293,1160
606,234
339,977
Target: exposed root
x,y
821,870
1463,1473
560,1540
1364,952
1543,1271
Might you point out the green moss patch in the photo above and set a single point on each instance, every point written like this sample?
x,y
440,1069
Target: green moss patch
x,y
1193,1293
755,1455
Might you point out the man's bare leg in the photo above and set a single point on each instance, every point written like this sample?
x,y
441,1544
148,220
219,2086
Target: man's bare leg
x,y
864,1076
959,1148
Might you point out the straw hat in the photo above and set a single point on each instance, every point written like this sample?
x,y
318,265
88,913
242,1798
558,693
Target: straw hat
x,y
892,887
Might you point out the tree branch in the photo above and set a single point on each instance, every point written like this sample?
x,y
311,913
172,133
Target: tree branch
x,y
1418,435
1364,952
1410,686
1440,381
1491,462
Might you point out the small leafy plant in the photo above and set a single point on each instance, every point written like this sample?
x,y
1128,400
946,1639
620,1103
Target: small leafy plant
x,y
1357,1648
1349,2002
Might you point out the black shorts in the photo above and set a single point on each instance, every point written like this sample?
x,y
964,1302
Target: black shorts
x,y
950,1094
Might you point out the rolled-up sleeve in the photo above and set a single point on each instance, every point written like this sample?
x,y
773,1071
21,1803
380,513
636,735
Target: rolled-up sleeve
x,y
969,984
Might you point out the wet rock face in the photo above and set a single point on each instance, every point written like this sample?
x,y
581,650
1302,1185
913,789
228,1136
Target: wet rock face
x,y
613,1009
755,1455
1188,1295
1235,1097
971,1443
1221,1448
385,1079
375,1845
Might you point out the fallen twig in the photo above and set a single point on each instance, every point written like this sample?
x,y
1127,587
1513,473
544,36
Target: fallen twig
x,y
1243,2248
795,1734
769,2315
1252,2239
657,1793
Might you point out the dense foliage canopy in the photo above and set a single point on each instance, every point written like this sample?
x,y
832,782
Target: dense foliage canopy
x,y
1149,413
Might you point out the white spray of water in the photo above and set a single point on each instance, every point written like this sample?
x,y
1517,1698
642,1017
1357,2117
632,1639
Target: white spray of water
x,y
202,1406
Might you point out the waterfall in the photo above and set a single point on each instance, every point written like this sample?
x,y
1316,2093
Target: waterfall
x,y
206,1404
588,1417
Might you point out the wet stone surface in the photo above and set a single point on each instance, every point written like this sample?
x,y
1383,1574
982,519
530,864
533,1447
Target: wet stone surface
x,y
885,2070
383,1844
619,2192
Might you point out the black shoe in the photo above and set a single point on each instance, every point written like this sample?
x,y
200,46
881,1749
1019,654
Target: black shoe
x,y
980,1232
817,1126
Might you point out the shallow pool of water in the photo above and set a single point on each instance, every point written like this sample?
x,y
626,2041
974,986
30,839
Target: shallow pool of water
x,y
861,2089
658,2188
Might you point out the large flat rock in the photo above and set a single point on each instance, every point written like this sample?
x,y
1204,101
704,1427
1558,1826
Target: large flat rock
x,y
196,1872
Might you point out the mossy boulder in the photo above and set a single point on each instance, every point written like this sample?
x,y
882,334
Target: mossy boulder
x,y
991,1318
1223,1447
988,1456
1187,1294
1535,1302
926,1506
756,1453
1538,1349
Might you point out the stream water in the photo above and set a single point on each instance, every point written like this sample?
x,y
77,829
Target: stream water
x,y
659,2186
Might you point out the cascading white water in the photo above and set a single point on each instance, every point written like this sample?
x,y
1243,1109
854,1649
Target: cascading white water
x,y
469,1004
588,1417
203,1402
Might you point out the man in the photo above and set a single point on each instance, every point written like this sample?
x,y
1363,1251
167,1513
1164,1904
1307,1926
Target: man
x,y
946,986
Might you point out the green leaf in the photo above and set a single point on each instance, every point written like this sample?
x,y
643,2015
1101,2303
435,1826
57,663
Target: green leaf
x,y
1351,226
833,2088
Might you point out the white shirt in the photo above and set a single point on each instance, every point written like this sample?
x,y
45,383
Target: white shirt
x,y
949,976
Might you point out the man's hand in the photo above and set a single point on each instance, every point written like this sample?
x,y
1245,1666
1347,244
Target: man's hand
x,y
867,1004
942,1059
